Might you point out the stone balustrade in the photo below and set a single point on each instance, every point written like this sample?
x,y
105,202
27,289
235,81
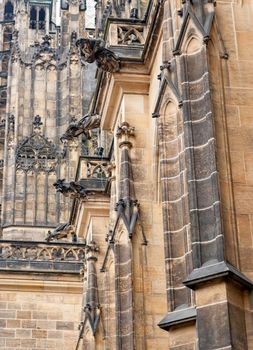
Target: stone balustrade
x,y
42,256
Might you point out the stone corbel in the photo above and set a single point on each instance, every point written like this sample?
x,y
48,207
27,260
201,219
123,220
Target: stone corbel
x,y
91,250
124,132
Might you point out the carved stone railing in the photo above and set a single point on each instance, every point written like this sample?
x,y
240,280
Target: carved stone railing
x,y
93,168
96,146
130,37
127,33
42,257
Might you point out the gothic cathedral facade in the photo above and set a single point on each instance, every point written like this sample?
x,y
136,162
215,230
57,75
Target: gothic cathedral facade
x,y
125,174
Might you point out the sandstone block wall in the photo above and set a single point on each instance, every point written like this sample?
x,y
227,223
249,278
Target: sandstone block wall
x,y
39,320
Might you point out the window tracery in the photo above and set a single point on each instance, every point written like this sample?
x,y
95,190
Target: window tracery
x,y
37,18
7,38
33,18
42,19
8,11
37,152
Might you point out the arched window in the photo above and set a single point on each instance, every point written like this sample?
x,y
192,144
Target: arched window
x,y
5,62
3,98
4,69
7,38
42,19
8,11
33,18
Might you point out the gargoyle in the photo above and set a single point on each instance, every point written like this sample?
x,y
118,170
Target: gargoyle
x,y
86,123
93,50
72,189
61,231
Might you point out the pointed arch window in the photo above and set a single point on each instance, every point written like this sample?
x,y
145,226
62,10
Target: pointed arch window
x,y
5,62
33,18
38,18
8,11
42,19
7,38
3,97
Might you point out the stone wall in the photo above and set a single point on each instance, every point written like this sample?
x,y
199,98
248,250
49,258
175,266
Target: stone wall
x,y
39,320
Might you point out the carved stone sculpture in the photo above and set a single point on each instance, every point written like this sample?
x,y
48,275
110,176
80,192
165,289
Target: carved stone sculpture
x,y
72,189
61,231
86,123
93,50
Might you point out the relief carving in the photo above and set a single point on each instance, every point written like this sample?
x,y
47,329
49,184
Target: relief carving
x,y
130,35
37,152
41,252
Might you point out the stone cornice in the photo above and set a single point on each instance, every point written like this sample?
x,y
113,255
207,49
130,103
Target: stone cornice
x,y
214,271
26,284
178,317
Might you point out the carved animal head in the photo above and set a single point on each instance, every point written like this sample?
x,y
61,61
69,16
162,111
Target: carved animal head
x,y
94,50
59,184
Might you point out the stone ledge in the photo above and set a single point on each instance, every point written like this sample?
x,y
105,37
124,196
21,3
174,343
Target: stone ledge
x,y
41,257
28,285
178,317
217,270
40,266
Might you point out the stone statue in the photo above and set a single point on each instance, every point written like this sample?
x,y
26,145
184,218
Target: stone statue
x,y
61,231
86,123
93,50
72,189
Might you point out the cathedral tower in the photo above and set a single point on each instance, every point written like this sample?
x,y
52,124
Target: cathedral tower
x,y
42,73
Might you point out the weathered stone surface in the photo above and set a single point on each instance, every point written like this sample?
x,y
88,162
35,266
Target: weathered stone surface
x,y
181,182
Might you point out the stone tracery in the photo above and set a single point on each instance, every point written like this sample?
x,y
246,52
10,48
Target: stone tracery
x,y
37,152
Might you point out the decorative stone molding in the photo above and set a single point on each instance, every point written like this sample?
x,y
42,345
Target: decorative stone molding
x,y
37,152
74,2
123,133
91,250
74,55
45,57
10,131
93,50
125,129
130,35
97,169
41,251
